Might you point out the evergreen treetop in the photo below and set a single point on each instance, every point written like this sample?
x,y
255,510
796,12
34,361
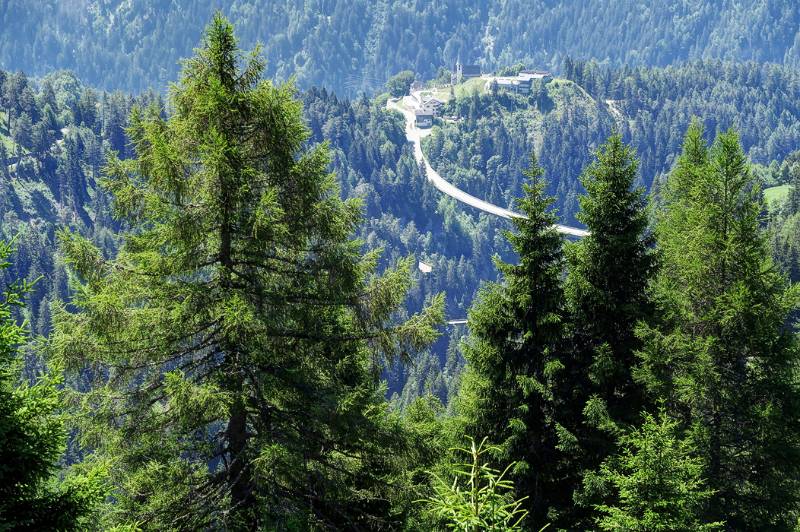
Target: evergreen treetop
x,y
606,293
723,356
515,330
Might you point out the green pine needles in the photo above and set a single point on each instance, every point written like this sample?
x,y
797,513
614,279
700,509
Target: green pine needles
x,y
513,354
658,478
223,370
724,355
33,494
479,497
233,344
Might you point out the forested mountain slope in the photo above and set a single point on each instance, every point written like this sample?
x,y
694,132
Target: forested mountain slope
x,y
354,45
55,134
54,141
241,296
565,120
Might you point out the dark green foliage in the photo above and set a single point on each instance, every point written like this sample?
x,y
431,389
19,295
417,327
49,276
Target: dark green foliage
x,y
54,182
785,223
606,290
786,245
793,202
369,157
399,84
516,328
650,107
483,151
225,362
358,44
236,334
32,437
724,357
609,272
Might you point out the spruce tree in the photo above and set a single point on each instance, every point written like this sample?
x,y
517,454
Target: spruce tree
x,y
235,341
724,356
512,353
606,291
658,481
33,438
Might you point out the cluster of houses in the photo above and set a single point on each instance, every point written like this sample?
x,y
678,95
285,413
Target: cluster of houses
x,y
428,107
519,84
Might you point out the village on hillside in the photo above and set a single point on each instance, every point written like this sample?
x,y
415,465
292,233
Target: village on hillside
x,y
427,102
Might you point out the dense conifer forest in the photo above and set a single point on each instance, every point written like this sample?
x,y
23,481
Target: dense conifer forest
x,y
357,45
238,303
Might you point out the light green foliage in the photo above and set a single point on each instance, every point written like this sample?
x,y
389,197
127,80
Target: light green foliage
x,y
478,497
775,196
33,495
235,340
658,481
723,356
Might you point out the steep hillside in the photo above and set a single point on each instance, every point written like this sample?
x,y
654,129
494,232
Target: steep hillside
x,y
353,45
484,150
54,137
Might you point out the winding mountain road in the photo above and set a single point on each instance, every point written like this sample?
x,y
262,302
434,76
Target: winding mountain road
x,y
415,135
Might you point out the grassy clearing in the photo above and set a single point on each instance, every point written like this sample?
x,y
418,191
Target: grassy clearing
x,y
776,195
471,85
441,93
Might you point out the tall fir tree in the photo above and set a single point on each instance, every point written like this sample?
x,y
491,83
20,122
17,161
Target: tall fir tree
x,y
33,437
515,331
606,293
235,339
724,356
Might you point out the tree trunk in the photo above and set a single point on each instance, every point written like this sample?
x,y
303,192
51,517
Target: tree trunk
x,y
239,474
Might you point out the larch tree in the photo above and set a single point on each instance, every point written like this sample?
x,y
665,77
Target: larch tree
x,y
234,343
512,352
724,355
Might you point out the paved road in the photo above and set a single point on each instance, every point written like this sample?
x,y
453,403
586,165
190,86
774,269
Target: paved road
x,y
415,135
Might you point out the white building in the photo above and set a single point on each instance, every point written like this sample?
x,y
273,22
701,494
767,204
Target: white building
x,y
423,118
